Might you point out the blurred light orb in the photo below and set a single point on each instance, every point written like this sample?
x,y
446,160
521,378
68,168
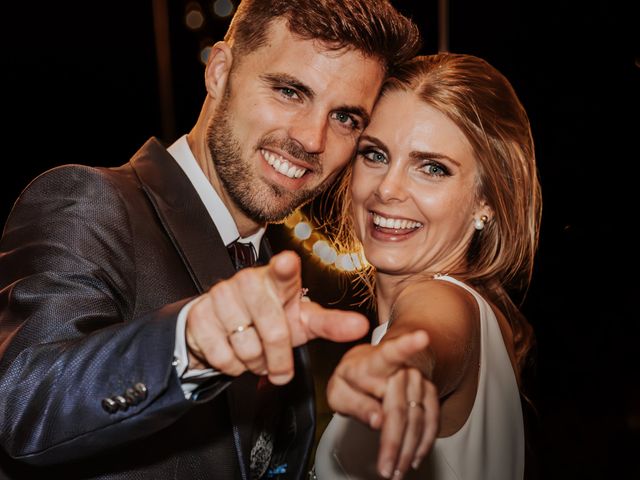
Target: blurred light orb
x,y
204,54
194,19
325,251
355,260
302,230
345,262
223,8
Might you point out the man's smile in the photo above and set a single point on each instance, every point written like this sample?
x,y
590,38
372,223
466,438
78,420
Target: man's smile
x,y
281,165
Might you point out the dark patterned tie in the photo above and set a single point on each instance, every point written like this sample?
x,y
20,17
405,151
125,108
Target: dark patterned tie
x,y
242,254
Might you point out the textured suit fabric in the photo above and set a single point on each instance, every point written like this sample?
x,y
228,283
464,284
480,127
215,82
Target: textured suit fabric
x,y
95,264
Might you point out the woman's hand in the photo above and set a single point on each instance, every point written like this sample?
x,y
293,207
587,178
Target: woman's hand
x,y
378,385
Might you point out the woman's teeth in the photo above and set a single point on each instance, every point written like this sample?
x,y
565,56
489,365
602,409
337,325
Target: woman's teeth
x,y
394,223
282,166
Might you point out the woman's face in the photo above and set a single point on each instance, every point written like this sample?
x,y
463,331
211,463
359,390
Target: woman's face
x,y
414,188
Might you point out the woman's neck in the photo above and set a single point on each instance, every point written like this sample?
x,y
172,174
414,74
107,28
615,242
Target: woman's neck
x,y
388,287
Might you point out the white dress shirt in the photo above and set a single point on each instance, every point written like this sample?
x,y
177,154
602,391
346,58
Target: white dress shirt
x,y
228,230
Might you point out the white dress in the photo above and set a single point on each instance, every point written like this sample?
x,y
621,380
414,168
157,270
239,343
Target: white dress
x,y
489,446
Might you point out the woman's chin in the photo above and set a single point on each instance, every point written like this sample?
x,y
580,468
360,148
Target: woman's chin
x,y
390,266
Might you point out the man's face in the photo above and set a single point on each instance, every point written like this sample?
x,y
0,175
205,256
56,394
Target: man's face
x,y
289,121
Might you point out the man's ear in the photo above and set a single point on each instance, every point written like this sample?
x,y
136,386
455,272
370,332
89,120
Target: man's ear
x,y
218,69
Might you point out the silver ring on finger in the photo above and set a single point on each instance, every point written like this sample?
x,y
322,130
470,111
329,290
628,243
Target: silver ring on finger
x,y
414,404
239,329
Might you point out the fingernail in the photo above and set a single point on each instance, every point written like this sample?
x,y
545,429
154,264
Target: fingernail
x,y
373,420
386,470
397,474
416,463
279,379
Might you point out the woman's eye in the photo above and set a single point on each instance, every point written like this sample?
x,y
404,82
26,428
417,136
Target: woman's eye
x,y
435,170
374,156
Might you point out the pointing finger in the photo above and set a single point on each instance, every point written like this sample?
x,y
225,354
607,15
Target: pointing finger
x,y
395,353
284,271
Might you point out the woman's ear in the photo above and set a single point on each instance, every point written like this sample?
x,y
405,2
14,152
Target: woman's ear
x,y
485,210
482,215
218,69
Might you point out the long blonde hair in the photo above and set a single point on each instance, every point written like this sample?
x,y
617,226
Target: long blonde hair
x,y
484,105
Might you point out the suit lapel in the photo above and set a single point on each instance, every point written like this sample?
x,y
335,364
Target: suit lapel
x,y
183,215
205,256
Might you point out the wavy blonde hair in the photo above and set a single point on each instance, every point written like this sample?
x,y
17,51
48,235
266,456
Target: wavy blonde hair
x,y
484,105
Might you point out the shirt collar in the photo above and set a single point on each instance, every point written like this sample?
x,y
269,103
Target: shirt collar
x,y
218,211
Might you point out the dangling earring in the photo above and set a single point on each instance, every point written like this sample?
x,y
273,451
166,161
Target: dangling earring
x,y
480,222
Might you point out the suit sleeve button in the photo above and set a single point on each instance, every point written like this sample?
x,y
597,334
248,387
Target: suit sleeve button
x,y
109,405
132,396
121,401
141,388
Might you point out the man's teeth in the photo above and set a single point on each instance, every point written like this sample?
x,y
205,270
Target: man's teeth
x,y
394,223
282,166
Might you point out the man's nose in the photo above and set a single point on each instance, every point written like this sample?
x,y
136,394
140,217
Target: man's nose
x,y
310,131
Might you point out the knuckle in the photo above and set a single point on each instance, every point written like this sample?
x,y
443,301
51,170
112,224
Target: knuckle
x,y
399,413
253,354
200,309
221,291
276,336
248,279
415,375
224,361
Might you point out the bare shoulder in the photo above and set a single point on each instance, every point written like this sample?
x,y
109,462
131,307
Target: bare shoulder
x,y
434,304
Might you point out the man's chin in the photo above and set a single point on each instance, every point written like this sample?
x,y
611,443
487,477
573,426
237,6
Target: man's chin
x,y
268,210
273,204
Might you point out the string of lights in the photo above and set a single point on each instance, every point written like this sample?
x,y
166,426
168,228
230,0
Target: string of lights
x,y
313,241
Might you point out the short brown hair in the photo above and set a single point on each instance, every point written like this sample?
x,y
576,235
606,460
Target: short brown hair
x,y
373,27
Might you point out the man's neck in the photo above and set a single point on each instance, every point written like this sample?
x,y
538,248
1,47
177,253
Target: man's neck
x,y
246,226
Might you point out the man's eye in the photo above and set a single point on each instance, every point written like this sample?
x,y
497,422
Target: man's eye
x,y
288,92
346,119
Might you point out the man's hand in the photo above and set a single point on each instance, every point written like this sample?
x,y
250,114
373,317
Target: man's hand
x,y
377,385
253,320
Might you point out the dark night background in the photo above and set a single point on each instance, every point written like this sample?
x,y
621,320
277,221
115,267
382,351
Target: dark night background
x,y
81,86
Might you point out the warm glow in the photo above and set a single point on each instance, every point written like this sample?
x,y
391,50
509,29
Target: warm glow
x,y
320,247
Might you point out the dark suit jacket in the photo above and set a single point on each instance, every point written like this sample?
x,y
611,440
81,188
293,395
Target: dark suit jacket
x,y
95,265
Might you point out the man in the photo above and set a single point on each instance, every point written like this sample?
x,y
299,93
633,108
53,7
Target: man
x,y
130,346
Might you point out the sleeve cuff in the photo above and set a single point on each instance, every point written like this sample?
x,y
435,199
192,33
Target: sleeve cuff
x,y
190,378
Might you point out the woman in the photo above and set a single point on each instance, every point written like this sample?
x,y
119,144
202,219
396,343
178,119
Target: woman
x,y
444,199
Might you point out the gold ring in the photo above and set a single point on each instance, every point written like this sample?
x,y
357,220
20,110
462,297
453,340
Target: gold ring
x,y
240,329
414,404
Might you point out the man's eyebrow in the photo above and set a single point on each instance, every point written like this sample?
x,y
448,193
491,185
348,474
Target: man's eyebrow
x,y
279,79
275,79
